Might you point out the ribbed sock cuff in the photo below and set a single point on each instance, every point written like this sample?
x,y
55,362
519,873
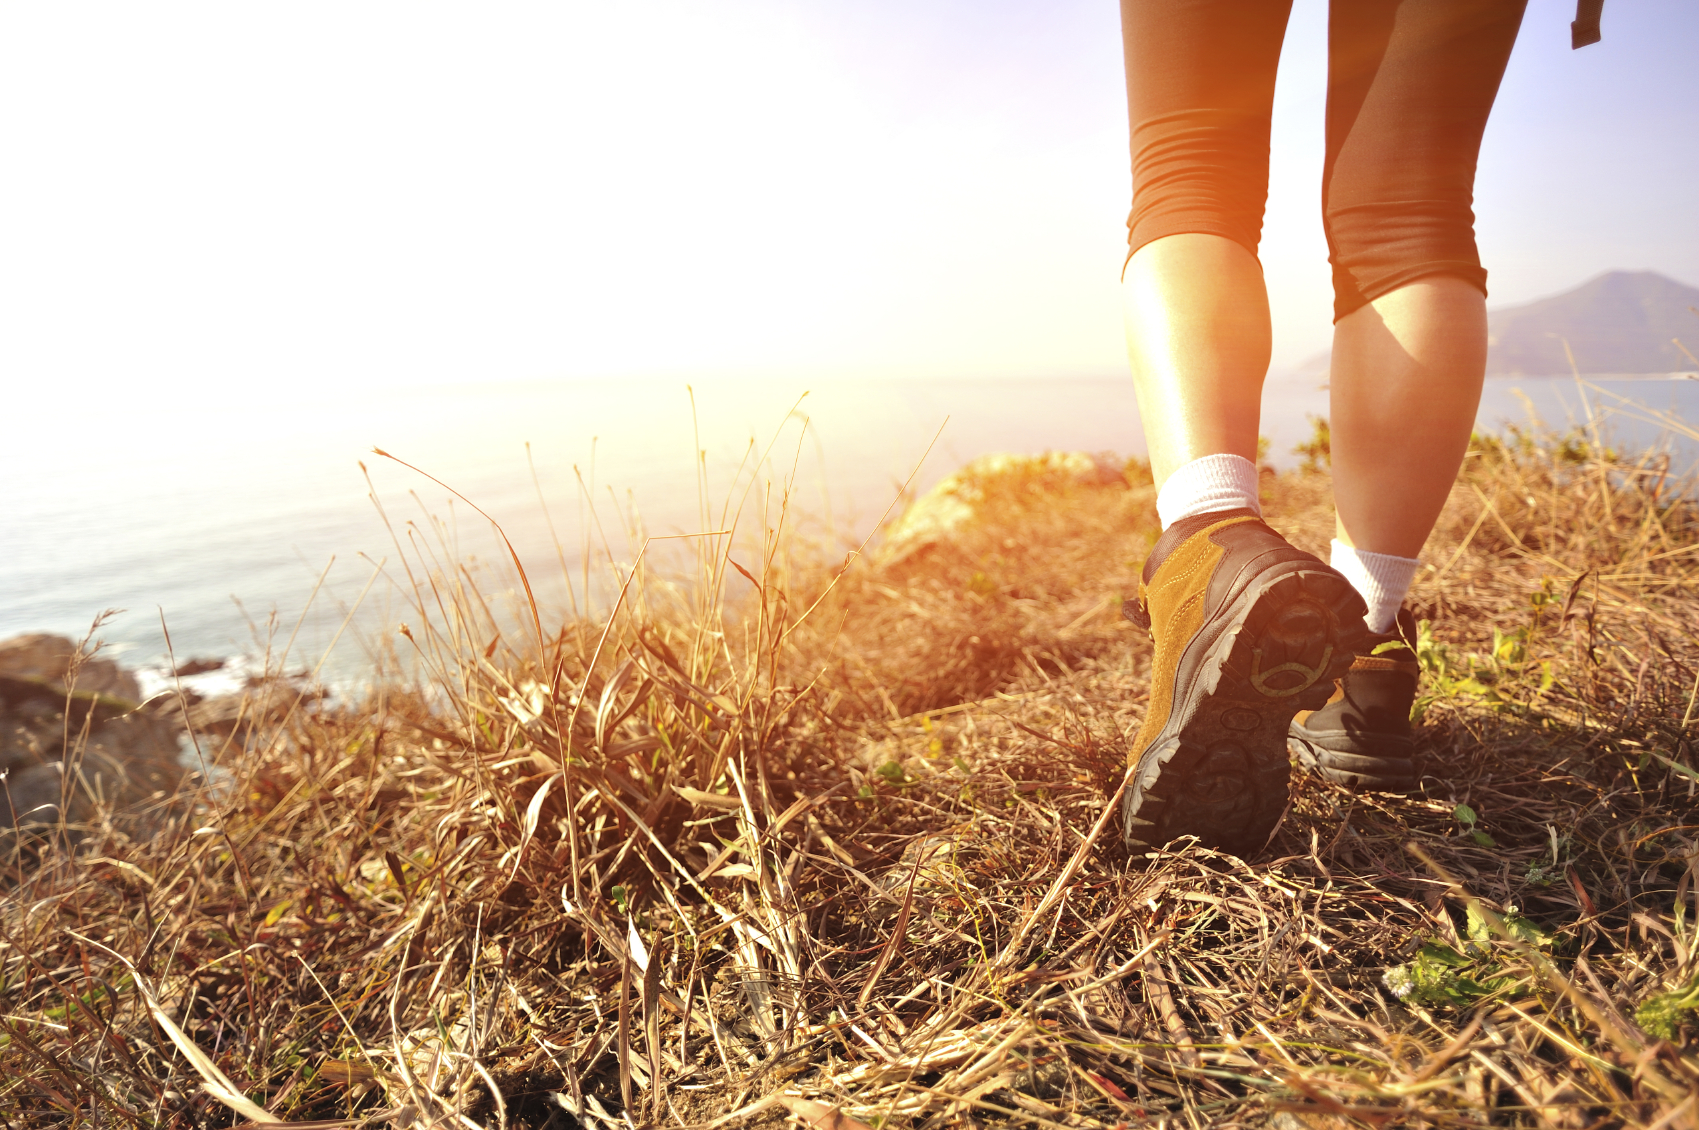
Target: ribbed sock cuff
x,y
1203,486
1382,579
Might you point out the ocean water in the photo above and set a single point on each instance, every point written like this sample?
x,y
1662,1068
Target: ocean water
x,y
233,524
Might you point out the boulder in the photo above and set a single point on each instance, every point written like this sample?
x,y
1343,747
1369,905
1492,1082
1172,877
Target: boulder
x,y
48,659
268,699
944,514
31,795
117,753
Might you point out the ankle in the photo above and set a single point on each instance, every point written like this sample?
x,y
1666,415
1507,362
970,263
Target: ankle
x,y
1382,579
1207,485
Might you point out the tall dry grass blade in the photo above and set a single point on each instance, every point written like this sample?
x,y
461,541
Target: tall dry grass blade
x,y
624,1032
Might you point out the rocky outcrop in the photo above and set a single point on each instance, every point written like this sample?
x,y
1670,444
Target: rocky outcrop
x,y
64,752
52,660
954,508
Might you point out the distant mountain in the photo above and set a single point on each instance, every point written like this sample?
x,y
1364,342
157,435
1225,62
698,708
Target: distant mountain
x,y
1620,322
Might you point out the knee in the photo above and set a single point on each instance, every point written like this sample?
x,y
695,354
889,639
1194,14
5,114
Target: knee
x,y
1377,247
1201,172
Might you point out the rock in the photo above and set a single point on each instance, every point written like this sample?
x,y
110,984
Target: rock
x,y
118,753
31,796
124,757
47,659
265,700
944,513
218,715
200,666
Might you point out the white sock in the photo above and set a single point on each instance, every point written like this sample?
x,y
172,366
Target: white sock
x,y
1203,486
1382,579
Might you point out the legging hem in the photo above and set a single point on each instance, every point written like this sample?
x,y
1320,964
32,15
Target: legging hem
x,y
1349,299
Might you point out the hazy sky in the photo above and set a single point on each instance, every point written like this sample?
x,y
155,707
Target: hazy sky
x,y
266,197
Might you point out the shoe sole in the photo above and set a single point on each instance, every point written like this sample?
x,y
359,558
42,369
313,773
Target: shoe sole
x,y
1355,770
1219,769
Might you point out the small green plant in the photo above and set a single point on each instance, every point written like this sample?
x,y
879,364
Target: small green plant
x,y
1467,817
1519,929
1443,676
1540,873
1663,1015
1441,976
1447,674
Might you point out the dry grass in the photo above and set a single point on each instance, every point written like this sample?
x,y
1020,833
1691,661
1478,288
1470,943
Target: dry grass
x,y
839,847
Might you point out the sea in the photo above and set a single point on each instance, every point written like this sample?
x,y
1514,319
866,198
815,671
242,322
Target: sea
x,y
275,535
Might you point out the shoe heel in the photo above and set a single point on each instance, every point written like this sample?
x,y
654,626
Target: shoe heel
x,y
1300,636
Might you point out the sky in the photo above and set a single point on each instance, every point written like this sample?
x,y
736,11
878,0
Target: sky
x,y
259,200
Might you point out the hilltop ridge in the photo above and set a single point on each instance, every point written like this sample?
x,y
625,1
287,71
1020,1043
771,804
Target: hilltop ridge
x,y
1619,322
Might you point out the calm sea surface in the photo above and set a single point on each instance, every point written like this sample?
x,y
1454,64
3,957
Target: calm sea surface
x,y
217,517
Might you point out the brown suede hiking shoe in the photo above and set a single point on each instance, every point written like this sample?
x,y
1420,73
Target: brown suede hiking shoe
x,y
1248,630
1361,738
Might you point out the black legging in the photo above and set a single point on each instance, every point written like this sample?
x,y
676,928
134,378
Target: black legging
x,y
1409,87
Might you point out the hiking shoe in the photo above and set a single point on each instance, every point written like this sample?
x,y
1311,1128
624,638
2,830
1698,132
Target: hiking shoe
x,y
1248,630
1361,738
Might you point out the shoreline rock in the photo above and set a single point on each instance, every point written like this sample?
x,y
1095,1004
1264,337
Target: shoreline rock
x,y
44,658
119,751
946,514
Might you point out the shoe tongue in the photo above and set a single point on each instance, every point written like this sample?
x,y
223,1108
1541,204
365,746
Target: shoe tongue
x,y
1183,529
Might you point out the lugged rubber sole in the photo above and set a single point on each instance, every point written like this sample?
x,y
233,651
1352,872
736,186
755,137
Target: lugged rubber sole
x,y
1355,770
1219,769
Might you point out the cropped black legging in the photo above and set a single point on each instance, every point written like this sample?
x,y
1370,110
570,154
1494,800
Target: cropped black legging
x,y
1409,87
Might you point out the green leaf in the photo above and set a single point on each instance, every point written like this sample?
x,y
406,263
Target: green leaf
x,y
1690,774
892,771
1526,932
1509,647
1483,839
1476,925
1465,815
1434,953
1518,928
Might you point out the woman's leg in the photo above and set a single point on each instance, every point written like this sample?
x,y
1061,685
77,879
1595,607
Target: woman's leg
x,y
1200,89
1410,86
1245,628
1406,382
